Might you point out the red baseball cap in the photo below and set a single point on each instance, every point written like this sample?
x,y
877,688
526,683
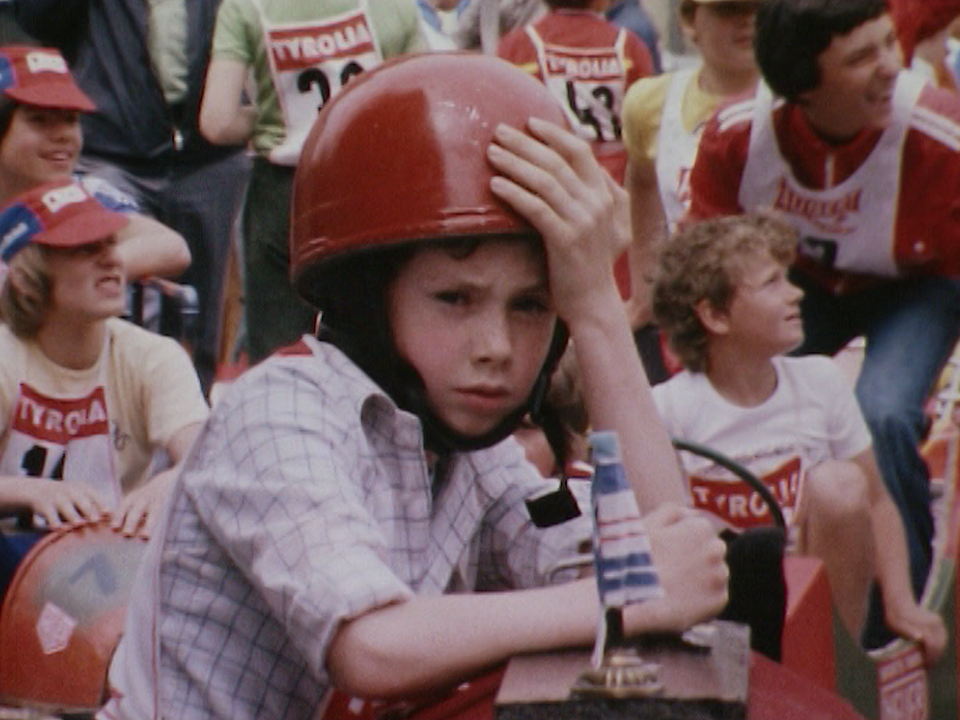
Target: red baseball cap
x,y
40,76
60,213
917,20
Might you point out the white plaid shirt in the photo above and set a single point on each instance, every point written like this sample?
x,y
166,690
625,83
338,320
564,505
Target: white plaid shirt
x,y
307,501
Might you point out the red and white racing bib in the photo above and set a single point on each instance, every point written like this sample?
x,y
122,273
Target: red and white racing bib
x,y
589,83
310,62
62,438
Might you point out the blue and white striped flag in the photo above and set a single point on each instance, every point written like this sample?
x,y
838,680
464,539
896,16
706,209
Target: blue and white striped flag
x,y
621,549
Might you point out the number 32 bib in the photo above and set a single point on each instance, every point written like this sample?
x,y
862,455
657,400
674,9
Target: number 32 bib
x,y
309,63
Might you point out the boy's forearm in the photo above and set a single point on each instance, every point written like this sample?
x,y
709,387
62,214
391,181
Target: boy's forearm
x,y
649,232
429,642
892,559
617,395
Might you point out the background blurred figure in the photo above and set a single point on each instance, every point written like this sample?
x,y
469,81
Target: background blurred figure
x,y
434,24
588,63
630,14
143,64
484,22
923,29
663,117
292,83
85,397
481,23
41,139
842,142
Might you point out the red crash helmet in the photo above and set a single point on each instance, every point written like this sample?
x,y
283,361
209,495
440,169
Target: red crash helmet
x,y
400,155
62,617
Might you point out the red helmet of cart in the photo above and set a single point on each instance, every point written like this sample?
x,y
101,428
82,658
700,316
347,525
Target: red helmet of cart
x,y
400,156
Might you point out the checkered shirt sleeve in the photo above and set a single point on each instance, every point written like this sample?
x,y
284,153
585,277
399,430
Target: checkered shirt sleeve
x,y
307,501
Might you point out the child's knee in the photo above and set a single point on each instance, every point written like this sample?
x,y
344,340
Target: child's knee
x,y
836,491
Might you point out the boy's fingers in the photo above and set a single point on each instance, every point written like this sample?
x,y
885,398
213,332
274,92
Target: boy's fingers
x,y
68,512
543,179
559,158
574,150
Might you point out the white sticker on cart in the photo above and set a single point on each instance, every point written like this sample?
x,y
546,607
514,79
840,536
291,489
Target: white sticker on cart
x,y
54,629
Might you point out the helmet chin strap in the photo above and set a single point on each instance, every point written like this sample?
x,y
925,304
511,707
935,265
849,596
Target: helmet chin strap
x,y
405,387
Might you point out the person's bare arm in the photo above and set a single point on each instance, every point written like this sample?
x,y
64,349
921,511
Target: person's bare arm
x,y
137,512
904,616
648,232
429,642
147,248
224,119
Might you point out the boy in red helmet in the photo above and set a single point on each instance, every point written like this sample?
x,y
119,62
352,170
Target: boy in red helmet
x,y
349,500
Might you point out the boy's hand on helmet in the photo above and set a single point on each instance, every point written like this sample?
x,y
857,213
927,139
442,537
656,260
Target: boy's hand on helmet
x,y
552,178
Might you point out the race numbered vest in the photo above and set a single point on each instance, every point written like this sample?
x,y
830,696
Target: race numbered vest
x,y
676,149
739,505
309,63
589,83
848,227
66,439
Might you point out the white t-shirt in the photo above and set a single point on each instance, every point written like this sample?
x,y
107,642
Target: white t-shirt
x,y
812,416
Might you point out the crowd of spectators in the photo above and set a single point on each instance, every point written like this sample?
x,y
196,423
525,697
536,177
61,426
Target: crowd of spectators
x,y
143,140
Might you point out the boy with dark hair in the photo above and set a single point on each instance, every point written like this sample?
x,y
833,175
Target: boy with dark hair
x,y
348,498
724,301
847,159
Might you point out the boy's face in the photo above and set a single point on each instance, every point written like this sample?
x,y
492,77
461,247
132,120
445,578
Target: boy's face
x,y
476,329
723,33
88,281
858,72
41,144
764,315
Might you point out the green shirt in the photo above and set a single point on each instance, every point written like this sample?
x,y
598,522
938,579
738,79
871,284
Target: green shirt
x,y
239,36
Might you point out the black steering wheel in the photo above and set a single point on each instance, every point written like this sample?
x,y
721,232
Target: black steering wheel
x,y
741,472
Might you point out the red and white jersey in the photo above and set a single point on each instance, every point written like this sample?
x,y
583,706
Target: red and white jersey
x,y
810,418
587,63
870,207
676,149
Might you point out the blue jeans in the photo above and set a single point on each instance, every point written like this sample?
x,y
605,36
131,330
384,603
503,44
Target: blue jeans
x,y
13,548
911,327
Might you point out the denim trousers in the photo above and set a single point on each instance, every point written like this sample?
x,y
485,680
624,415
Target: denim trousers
x,y
276,316
911,327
